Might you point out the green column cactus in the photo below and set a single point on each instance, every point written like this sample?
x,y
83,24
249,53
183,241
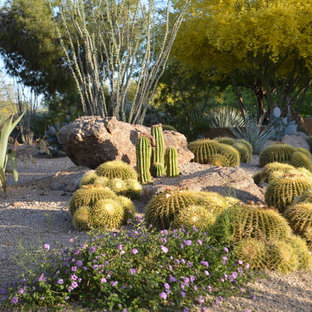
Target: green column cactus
x,y
158,151
143,159
171,162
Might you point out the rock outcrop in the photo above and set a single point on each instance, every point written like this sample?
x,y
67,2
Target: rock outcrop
x,y
91,140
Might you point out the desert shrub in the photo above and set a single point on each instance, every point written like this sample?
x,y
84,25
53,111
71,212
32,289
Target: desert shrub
x,y
137,270
278,152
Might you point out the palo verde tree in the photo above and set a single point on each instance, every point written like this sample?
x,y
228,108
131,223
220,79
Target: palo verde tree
x,y
264,45
121,42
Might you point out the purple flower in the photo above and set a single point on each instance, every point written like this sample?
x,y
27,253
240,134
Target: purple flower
x,y
132,271
186,310
42,278
226,249
2,291
201,299
71,240
74,277
135,251
240,262
182,293
92,250
188,242
115,283
119,247
21,291
74,268
46,246
192,278
247,266
103,280
74,284
163,295
199,242
206,272
69,288
164,248
172,278
41,298
204,263
79,263
60,281
224,259
166,285
247,310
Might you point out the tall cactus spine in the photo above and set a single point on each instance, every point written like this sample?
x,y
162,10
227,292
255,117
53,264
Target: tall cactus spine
x,y
158,152
143,159
171,162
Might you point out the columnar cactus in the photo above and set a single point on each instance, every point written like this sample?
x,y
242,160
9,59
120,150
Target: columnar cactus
x,y
278,152
143,159
171,162
245,221
281,191
158,151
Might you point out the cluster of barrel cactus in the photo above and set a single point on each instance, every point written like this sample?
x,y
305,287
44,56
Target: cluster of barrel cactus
x,y
284,153
208,151
102,201
153,159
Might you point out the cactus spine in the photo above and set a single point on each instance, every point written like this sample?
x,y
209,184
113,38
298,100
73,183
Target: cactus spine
x,y
171,162
143,159
158,151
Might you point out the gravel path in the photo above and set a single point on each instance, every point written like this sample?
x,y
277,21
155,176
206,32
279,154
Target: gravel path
x,y
32,215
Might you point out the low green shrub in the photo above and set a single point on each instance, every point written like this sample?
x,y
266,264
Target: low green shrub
x,y
137,270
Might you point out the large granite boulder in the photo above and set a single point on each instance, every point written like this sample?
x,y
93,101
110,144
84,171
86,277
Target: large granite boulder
x,y
91,140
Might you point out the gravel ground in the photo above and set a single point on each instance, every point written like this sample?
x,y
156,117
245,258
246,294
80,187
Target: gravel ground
x,y
32,215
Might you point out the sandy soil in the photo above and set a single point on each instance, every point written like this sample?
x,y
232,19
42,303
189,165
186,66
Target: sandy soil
x,y
31,215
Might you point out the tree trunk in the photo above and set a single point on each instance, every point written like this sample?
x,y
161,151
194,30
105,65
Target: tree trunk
x,y
239,97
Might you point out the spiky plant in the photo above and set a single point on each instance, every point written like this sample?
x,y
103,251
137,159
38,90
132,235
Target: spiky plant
x,y
299,159
230,153
106,214
88,178
163,209
143,159
244,153
281,257
219,160
278,152
246,143
269,168
245,221
194,215
299,217
257,178
158,150
101,181
81,218
204,150
116,169
252,251
304,151
302,251
134,189
281,191
171,162
117,185
225,140
128,207
88,195
305,197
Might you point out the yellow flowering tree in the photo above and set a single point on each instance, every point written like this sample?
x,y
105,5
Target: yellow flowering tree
x,y
264,45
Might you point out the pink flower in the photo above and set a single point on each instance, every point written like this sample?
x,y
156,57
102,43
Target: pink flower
x,y
164,248
135,251
46,246
163,295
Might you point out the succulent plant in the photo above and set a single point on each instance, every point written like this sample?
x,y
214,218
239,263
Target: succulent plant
x,y
225,140
246,143
281,191
252,251
219,160
81,218
299,159
101,181
194,215
305,197
116,169
143,159
88,195
88,178
158,151
257,178
204,150
299,217
163,209
304,151
244,152
230,153
134,188
128,207
302,251
245,221
171,162
117,185
281,257
106,214
269,168
278,152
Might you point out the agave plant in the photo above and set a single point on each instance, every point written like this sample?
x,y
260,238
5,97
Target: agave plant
x,y
6,127
251,131
224,117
